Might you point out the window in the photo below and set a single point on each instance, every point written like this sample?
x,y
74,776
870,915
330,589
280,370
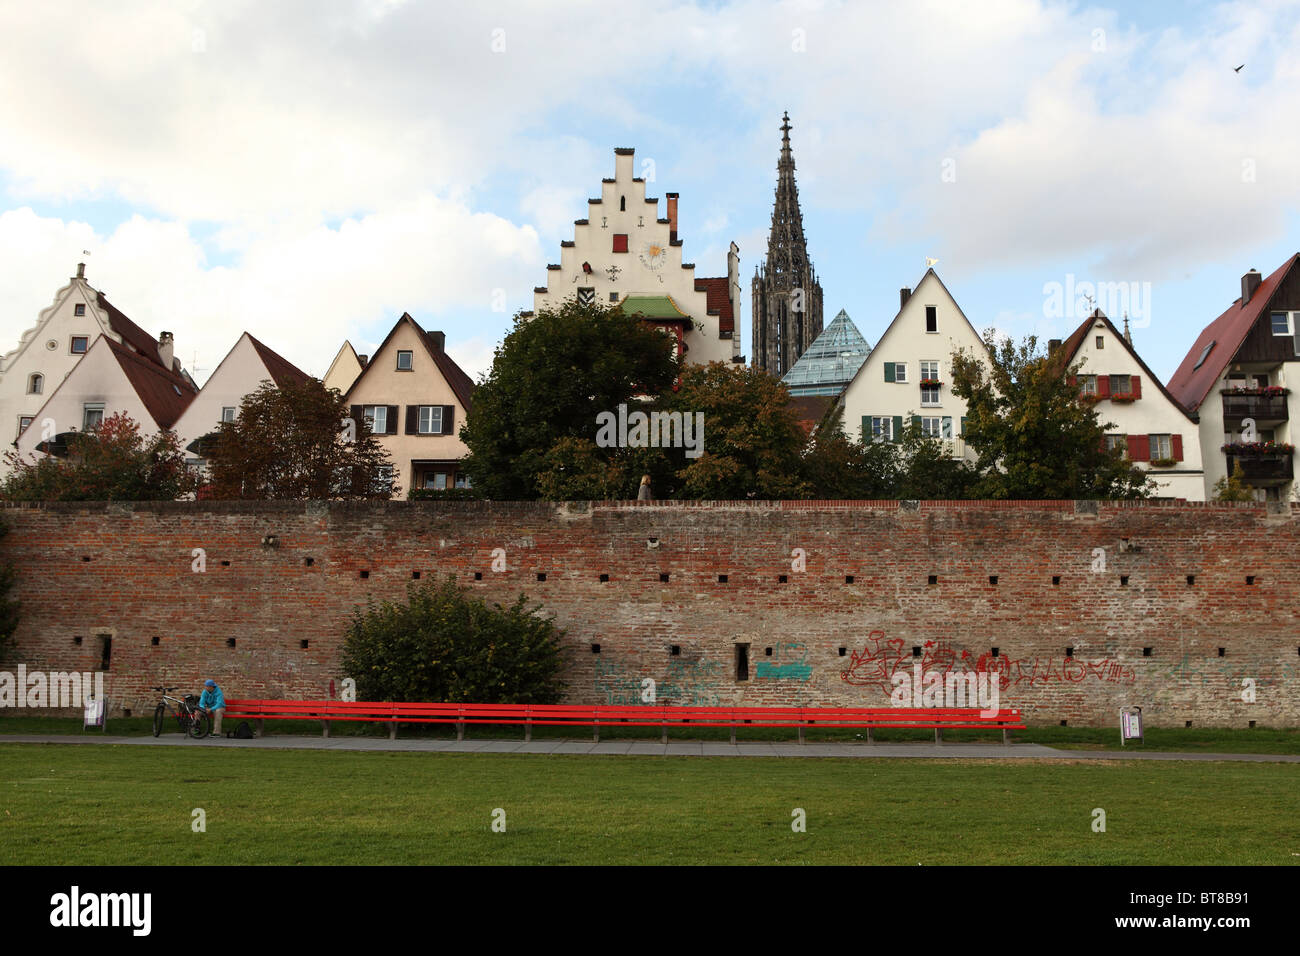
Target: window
x,y
404,360
929,395
620,242
613,297
462,480
35,384
1205,353
899,373
882,429
79,344
436,480
930,427
742,662
1101,341
1119,385
930,370
377,416
23,422
1162,446
79,309
1117,443
430,420
1281,323
385,474
228,413
931,319
91,416
1088,384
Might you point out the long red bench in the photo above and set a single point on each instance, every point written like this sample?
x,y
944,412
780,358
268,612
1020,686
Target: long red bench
x,y
595,716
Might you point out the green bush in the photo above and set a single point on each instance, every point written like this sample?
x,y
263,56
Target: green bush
x,y
444,645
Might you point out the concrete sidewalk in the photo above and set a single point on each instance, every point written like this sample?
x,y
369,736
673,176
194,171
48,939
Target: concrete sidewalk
x,y
646,748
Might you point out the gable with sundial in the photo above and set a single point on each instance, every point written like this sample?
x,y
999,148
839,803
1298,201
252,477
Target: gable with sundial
x,y
624,254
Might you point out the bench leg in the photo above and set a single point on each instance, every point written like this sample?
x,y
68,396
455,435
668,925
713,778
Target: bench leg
x,y
665,733
801,733
938,736
392,730
324,728
595,733
528,731
733,733
1006,737
460,730
261,728
870,739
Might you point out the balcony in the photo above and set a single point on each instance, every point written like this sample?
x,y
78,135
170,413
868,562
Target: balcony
x,y
1267,409
1267,469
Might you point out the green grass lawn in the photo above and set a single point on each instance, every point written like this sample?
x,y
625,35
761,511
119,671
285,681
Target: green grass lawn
x,y
132,805
1212,739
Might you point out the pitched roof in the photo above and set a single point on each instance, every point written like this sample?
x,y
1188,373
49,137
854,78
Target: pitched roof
x,y
164,393
283,372
832,359
652,307
810,410
1219,341
131,334
718,302
462,385
1069,348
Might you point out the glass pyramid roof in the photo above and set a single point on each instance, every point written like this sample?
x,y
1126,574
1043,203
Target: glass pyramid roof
x,y
831,361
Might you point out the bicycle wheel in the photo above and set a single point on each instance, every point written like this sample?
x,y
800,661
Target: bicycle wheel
x,y
159,715
200,725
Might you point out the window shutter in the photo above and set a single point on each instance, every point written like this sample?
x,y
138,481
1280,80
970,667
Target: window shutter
x,y
412,419
620,242
1103,386
898,428
392,420
357,416
1176,446
866,429
1135,386
963,426
889,371
448,413
1139,447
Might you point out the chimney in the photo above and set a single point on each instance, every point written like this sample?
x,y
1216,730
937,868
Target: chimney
x,y
733,293
1053,345
672,216
362,360
438,340
1249,283
81,270
903,296
165,349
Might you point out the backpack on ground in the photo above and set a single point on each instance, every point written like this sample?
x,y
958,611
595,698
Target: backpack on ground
x,y
242,732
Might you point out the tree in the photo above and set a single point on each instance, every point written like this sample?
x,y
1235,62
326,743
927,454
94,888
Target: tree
x,y
928,471
1033,436
551,377
752,442
1233,487
836,466
445,645
110,462
297,442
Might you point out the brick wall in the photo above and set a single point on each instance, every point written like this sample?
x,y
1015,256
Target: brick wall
x,y
1023,578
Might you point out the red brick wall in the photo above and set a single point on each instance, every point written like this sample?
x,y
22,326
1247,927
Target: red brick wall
x,y
87,569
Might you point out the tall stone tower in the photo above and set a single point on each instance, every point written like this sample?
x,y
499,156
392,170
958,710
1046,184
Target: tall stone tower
x,y
787,299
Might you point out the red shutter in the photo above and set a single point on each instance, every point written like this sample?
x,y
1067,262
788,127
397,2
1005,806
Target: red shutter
x,y
1136,385
620,243
1103,386
1176,446
1139,447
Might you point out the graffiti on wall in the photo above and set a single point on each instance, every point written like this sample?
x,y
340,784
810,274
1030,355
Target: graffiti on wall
x,y
686,684
789,661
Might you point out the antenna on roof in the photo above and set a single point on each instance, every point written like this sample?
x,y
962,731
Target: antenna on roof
x,y
194,365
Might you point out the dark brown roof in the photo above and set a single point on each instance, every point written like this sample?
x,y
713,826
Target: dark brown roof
x,y
462,385
1190,384
283,372
718,302
164,393
1065,353
131,334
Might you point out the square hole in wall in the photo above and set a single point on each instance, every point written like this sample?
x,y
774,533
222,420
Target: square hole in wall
x,y
85,557
993,579
1069,652
595,648
932,579
1250,579
1187,723
1252,725
848,579
1065,723
155,641
230,642
663,578
225,564
722,579
767,651
541,575
1222,651
845,650
604,579
675,650
365,574
1123,580
1146,652
303,643
916,652
782,579
309,561
77,641
478,575
415,575
1191,579
1056,579
996,652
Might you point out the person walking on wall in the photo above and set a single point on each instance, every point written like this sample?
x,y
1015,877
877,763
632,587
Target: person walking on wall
x,y
645,494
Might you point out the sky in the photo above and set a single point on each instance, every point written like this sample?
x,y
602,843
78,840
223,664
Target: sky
x,y
308,170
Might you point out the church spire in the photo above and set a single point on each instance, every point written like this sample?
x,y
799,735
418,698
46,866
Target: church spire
x,y
787,299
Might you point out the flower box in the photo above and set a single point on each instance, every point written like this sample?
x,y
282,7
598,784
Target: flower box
x,y
1248,449
930,383
1123,399
1163,463
1263,391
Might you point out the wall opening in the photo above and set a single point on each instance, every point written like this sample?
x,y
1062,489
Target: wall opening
x,y
742,662
105,651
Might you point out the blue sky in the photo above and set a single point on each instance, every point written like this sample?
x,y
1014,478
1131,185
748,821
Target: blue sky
x,y
309,171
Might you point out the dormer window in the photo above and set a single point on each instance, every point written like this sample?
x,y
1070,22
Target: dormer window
x,y
79,309
79,344
404,361
35,384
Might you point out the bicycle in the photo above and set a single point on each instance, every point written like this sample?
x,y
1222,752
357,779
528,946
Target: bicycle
x,y
192,721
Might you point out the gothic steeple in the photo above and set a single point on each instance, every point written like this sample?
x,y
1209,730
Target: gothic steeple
x,y
786,299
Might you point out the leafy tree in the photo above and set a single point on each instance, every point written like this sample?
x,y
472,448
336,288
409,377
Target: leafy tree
x,y
110,462
9,608
551,377
292,442
753,445
575,469
836,466
1233,487
445,645
928,471
1033,436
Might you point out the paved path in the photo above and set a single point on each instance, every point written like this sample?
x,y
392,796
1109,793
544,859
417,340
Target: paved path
x,y
648,748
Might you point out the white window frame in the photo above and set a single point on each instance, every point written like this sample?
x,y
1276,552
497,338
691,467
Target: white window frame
x,y
410,360
462,480
900,373
373,414
930,396
232,410
86,411
1162,446
1087,384
929,369
1117,440
929,430
1290,323
882,428
420,423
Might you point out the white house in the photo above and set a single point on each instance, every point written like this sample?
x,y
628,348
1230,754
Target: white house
x,y
241,372
345,369
109,378
623,253
909,372
1147,423
62,336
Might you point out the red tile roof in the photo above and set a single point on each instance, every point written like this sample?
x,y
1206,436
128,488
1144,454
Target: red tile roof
x,y
1189,384
462,385
718,301
165,394
131,334
283,372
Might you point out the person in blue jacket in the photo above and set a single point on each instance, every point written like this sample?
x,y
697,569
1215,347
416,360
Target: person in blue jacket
x,y
213,702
